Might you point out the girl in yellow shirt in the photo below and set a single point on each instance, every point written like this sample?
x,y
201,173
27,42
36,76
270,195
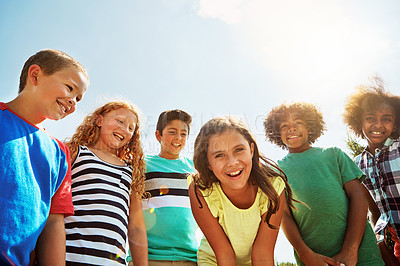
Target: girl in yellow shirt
x,y
236,197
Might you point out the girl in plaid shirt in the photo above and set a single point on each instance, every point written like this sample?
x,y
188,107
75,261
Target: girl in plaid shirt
x,y
374,115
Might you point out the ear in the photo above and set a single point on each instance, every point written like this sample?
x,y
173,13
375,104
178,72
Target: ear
x,y
252,149
209,167
158,135
99,120
33,73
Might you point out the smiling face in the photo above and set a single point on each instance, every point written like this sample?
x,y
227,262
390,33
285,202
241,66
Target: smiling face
x,y
116,129
378,125
57,94
230,159
294,134
172,139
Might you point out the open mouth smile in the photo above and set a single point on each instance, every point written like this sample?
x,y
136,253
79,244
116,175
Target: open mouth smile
x,y
235,174
119,136
64,108
293,137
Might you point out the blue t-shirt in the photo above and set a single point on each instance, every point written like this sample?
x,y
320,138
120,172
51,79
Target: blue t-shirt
x,y
32,167
171,228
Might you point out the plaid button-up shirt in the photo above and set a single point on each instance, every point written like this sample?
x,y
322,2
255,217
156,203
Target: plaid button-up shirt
x,y
383,182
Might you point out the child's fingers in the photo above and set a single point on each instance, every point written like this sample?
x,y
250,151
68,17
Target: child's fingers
x,y
333,262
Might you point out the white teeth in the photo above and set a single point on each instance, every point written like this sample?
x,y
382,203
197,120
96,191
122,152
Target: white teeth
x,y
176,145
119,136
377,133
235,173
63,108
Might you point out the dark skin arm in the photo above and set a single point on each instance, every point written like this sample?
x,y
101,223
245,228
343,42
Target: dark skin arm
x,y
356,221
386,253
307,255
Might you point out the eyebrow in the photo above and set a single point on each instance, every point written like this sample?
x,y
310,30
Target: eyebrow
x,y
174,128
218,151
375,114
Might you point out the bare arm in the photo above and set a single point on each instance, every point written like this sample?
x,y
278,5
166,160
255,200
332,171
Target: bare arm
x,y
50,246
264,244
374,212
307,255
137,235
356,221
212,230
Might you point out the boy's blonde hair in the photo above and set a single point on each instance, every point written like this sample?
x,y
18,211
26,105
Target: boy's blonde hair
x,y
88,133
369,98
50,61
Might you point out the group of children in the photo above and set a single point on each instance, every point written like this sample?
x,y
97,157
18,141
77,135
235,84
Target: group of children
x,y
85,201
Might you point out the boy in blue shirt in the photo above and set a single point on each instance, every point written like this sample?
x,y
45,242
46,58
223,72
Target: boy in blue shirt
x,y
35,177
171,228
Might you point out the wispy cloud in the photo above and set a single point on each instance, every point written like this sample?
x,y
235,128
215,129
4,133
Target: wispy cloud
x,y
229,11
308,40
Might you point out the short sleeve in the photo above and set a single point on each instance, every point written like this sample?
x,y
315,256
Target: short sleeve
x,y
348,168
213,200
61,202
279,185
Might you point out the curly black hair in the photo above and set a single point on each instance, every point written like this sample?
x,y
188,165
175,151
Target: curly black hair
x,y
370,97
307,112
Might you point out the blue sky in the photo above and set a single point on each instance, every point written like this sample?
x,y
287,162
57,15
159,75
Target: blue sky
x,y
209,57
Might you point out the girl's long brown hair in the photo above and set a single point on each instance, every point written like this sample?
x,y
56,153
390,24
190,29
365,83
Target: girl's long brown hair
x,y
88,133
262,171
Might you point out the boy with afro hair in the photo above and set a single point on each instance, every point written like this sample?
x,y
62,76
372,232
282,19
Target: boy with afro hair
x,y
330,227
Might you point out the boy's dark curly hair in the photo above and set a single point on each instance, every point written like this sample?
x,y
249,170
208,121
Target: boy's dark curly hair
x,y
307,112
370,98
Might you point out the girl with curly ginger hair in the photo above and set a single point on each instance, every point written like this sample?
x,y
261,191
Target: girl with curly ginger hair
x,y
374,114
107,187
236,197
331,226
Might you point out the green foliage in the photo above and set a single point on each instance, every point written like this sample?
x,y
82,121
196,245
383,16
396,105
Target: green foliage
x,y
355,147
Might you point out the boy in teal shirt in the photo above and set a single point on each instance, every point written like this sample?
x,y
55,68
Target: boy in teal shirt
x,y
171,228
331,226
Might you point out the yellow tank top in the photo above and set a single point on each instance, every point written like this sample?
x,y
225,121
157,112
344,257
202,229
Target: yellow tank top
x,y
240,225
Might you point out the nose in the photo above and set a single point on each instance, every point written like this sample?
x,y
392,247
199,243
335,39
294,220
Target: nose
x,y
72,101
232,160
125,128
378,123
292,129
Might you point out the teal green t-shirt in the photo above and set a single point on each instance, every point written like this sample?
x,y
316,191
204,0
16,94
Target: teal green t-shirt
x,y
170,225
317,177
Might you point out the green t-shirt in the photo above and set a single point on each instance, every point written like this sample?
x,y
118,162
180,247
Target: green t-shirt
x,y
317,177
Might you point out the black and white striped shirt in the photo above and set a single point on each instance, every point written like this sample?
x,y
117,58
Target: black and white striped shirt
x,y
97,233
